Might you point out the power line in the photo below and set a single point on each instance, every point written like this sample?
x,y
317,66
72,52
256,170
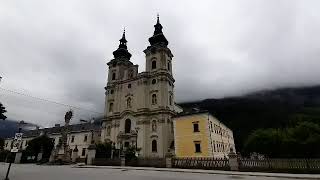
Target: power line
x,y
50,101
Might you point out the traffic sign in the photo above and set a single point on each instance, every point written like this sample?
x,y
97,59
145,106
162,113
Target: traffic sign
x,y
18,136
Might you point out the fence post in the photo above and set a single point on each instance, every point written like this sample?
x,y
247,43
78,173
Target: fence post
x,y
233,161
169,158
91,154
74,155
17,159
123,160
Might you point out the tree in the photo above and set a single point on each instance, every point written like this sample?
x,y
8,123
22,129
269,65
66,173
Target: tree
x,y
1,143
299,141
2,111
103,150
35,145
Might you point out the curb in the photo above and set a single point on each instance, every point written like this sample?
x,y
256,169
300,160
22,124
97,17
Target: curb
x,y
231,173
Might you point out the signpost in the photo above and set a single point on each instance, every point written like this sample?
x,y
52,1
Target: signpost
x,y
16,144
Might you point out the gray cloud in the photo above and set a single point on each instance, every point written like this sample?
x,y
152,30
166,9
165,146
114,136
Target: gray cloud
x,y
59,50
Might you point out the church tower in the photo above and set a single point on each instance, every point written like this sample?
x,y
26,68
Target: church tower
x,y
140,106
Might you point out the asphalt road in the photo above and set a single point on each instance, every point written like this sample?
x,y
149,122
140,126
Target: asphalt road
x,y
35,172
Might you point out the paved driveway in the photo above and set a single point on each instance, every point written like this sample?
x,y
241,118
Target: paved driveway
x,y
35,172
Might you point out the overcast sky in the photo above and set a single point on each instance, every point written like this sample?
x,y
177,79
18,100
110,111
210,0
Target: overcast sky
x,y
58,50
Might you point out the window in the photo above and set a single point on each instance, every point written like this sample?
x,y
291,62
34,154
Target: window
x,y
154,81
154,64
108,131
154,146
170,83
127,126
72,139
214,146
129,86
129,102
197,146
196,127
83,153
130,74
126,144
211,126
60,140
170,99
113,76
111,91
168,66
154,99
85,138
110,107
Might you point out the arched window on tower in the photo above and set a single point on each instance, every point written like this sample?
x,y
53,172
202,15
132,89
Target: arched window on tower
x,y
154,99
113,76
154,146
129,102
127,126
110,107
154,64
170,100
169,66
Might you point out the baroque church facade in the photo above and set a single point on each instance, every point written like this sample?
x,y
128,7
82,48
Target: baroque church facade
x,y
139,107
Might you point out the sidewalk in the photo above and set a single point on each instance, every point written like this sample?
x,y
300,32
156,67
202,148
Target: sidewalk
x,y
277,175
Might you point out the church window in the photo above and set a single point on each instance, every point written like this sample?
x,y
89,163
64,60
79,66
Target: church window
x,y
127,126
154,81
108,131
129,102
129,86
110,107
113,76
72,139
130,74
154,99
169,66
170,100
154,125
85,138
154,146
154,64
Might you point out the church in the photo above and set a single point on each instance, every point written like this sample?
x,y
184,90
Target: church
x,y
139,107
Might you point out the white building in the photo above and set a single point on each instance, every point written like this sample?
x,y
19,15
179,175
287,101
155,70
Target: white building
x,y
140,106
80,135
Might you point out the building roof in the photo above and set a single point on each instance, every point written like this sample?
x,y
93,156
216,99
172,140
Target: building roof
x,y
73,128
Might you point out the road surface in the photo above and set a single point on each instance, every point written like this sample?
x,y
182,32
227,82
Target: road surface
x,y
36,172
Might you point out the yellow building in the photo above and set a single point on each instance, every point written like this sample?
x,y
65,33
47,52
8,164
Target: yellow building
x,y
201,135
